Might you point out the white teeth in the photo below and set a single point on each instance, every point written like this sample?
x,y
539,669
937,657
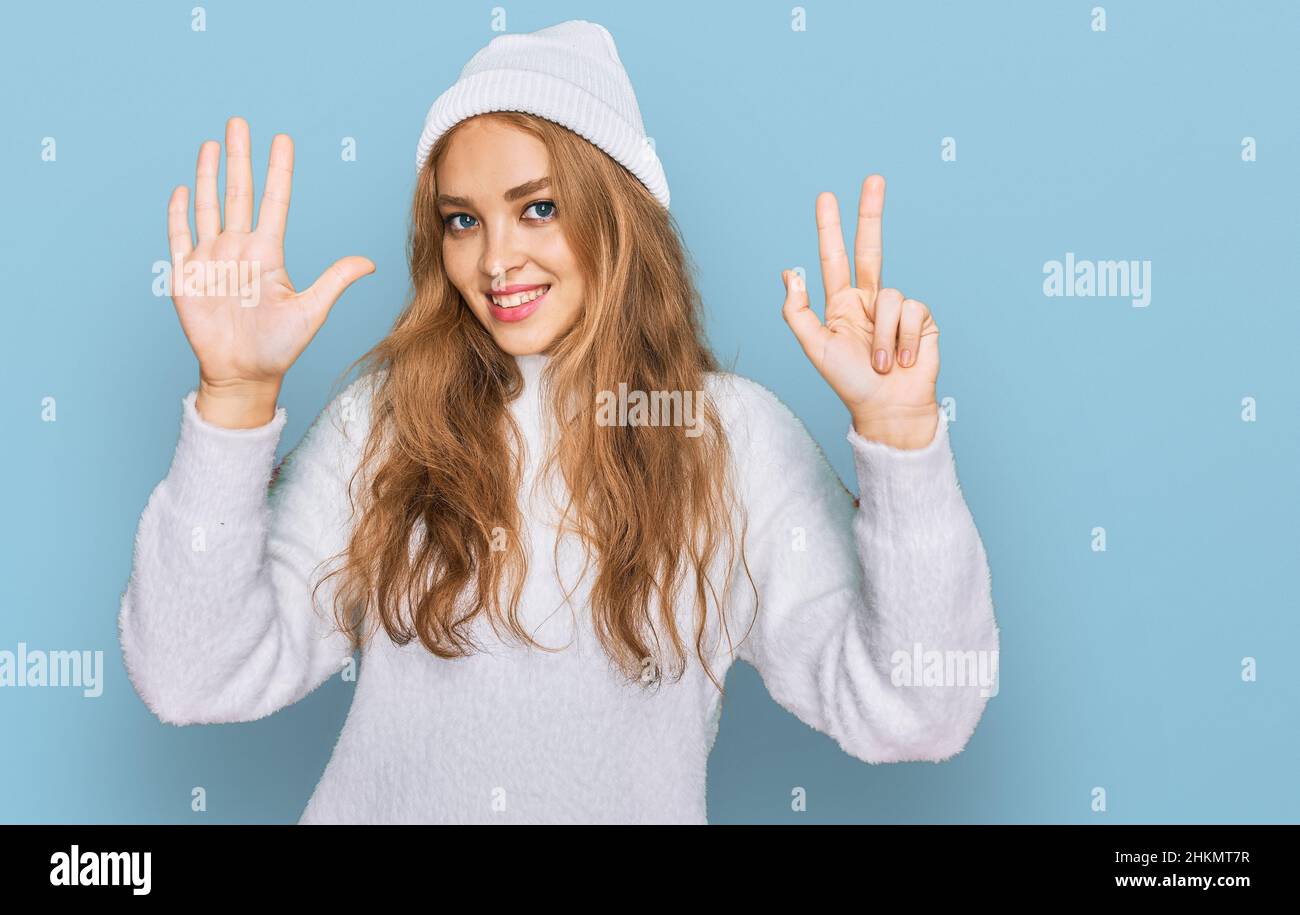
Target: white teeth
x,y
514,301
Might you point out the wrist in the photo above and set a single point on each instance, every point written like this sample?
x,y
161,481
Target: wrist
x,y
237,405
908,428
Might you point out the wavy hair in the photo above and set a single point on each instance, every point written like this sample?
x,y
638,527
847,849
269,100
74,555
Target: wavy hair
x,y
653,508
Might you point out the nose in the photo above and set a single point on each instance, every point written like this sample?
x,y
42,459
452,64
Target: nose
x,y
502,253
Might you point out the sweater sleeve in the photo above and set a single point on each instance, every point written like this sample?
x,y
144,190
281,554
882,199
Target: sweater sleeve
x,y
217,622
874,622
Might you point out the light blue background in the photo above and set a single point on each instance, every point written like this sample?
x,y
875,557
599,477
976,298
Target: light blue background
x,y
1120,669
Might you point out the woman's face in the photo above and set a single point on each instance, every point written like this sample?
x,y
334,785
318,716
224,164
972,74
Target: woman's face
x,y
503,244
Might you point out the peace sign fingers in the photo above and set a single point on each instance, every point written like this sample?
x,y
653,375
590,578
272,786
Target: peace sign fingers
x,y
867,248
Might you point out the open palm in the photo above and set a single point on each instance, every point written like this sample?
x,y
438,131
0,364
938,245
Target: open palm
x,y
239,310
878,350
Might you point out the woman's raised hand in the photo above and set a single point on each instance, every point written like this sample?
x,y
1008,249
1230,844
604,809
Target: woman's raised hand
x,y
236,304
878,350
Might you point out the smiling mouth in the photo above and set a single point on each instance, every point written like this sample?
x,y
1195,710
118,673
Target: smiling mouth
x,y
517,307
518,299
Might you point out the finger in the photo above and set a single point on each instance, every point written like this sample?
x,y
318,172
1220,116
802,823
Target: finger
x,y
239,177
867,249
322,294
909,331
830,244
889,306
807,327
207,214
179,241
273,214
928,350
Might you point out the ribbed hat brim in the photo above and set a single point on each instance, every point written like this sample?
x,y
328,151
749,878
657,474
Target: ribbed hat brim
x,y
554,99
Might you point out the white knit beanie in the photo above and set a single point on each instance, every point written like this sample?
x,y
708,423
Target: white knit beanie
x,y
568,73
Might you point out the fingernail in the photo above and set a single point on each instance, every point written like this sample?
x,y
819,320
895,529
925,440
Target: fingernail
x,y
881,359
905,358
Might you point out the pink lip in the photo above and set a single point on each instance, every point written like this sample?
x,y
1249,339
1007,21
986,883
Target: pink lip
x,y
520,312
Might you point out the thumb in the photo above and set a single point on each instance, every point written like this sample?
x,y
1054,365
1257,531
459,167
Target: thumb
x,y
928,350
807,327
338,276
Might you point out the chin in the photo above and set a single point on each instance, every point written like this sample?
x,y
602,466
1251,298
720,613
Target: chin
x,y
523,341
525,338
516,347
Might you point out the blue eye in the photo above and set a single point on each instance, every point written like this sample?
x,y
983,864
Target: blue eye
x,y
543,203
546,214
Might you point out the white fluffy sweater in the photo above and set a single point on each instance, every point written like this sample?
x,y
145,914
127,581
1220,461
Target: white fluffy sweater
x,y
216,625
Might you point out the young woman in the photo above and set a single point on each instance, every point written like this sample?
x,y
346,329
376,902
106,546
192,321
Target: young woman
x,y
562,570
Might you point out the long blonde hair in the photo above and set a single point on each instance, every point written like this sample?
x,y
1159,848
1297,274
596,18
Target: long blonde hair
x,y
654,507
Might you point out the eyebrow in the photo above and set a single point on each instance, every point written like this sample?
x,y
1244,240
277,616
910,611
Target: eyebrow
x,y
522,190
